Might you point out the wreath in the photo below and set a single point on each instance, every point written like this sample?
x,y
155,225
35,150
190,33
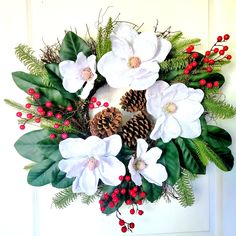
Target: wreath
x,y
124,118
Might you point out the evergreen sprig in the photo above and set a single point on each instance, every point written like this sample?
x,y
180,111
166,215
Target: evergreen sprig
x,y
180,45
88,199
36,67
175,63
184,189
64,198
219,109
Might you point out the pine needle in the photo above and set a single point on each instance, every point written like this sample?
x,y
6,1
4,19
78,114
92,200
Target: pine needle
x,y
176,63
88,199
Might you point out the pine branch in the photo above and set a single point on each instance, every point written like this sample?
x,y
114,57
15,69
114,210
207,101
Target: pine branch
x,y
64,198
206,153
184,189
174,63
180,45
25,54
175,37
219,109
88,199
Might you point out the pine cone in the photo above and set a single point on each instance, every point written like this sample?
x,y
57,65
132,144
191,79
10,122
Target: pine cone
x,y
133,101
106,122
137,127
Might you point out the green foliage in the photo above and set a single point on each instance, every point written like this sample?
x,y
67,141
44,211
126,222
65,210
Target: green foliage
x,y
184,189
153,192
175,63
88,199
64,198
36,67
175,37
180,45
219,109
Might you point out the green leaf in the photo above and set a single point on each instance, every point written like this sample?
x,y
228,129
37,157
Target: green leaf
x,y
170,159
153,192
71,45
59,179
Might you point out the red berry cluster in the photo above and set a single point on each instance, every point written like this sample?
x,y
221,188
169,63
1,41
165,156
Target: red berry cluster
x,y
209,85
94,103
133,196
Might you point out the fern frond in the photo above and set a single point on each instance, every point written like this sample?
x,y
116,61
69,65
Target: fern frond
x,y
174,63
88,199
206,153
64,198
26,55
219,109
184,189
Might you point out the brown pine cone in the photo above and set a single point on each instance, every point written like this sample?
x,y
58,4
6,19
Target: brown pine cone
x,y
137,127
133,101
106,122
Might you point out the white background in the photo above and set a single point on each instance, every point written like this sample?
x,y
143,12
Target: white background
x,y
27,211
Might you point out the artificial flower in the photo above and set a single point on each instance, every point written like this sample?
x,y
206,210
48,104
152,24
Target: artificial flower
x,y
76,74
90,160
177,110
145,164
133,61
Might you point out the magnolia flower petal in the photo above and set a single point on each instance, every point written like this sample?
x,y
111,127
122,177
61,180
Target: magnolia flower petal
x,y
152,155
135,176
73,167
190,129
125,32
72,84
142,147
95,146
145,46
73,148
110,168
75,186
170,129
188,110
69,69
195,94
164,47
155,174
91,60
156,134
113,145
88,182
81,60
86,89
121,48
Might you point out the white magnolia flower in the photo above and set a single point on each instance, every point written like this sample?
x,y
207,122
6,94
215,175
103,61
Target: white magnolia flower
x,y
90,160
145,164
76,74
134,58
176,109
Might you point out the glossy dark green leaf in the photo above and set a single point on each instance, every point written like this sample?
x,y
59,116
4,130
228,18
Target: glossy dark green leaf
x,y
71,45
59,179
153,192
170,159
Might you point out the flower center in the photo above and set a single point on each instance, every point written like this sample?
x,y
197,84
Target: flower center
x,y
92,163
171,107
139,165
87,74
134,62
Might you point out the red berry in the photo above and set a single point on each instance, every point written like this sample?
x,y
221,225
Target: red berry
x,y
216,50
49,113
52,136
69,108
36,95
39,109
66,122
219,38
132,194
123,191
128,202
29,116
98,103
106,195
19,114
42,113
124,229
115,200
37,120
211,62
103,209
209,85
48,104
207,53
111,204
202,82
229,57
56,126
58,116
91,106
226,36
31,91
113,195
121,222
116,191
22,127
191,47
64,135
127,178
101,202
195,55
135,188
186,71
209,69
221,52
106,104
93,99
225,48
27,105
189,67
206,59
131,225
216,83
188,50
142,194
194,63
121,177
132,211
140,212
139,202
